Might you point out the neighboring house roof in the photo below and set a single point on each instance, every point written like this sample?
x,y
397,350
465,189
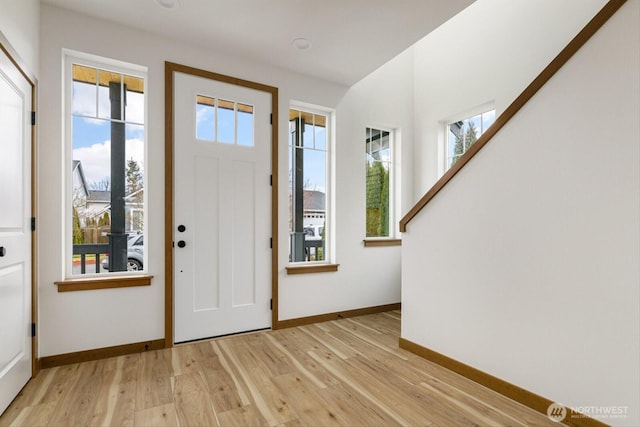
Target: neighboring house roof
x,y
99,196
135,193
314,200
77,167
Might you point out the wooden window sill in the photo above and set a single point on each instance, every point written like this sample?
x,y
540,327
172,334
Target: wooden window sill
x,y
71,285
312,268
376,243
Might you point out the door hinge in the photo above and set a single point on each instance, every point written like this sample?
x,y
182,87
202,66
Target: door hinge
x,y
271,118
33,330
271,242
33,118
271,304
271,180
33,223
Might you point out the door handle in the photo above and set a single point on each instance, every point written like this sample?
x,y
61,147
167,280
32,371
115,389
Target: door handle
x,y
181,243
3,251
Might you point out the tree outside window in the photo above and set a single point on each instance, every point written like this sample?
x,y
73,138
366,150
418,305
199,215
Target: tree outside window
x,y
378,173
463,133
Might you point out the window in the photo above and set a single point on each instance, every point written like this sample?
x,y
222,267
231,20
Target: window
x,y
224,121
308,185
379,183
462,134
105,132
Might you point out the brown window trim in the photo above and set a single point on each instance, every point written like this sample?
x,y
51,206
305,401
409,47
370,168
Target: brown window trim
x,y
312,268
70,285
376,243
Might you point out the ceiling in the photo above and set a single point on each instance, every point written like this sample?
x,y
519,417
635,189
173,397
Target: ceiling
x,y
350,38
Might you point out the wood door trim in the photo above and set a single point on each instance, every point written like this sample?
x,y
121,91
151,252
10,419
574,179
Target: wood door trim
x,y
170,69
20,65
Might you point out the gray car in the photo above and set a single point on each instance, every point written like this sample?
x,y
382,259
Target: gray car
x,y
135,253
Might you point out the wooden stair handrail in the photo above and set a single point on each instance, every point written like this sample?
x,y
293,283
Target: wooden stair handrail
x,y
607,11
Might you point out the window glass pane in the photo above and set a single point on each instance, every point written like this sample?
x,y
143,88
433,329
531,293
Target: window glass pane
x,y
487,119
134,107
315,170
320,137
106,207
84,99
109,82
307,135
245,125
205,118
134,178
464,133
308,186
377,182
226,122
474,130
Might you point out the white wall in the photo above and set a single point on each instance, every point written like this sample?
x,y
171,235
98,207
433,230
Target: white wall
x,y
78,321
526,266
19,23
489,52
366,276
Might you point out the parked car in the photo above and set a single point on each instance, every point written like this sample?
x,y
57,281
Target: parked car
x,y
313,232
135,253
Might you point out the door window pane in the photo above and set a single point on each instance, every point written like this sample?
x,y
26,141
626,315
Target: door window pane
x,y
245,125
205,118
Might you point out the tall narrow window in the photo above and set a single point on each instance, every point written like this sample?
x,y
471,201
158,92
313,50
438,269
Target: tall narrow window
x,y
463,133
378,146
308,189
106,211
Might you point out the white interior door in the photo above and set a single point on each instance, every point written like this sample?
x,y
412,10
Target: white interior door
x,y
15,231
222,208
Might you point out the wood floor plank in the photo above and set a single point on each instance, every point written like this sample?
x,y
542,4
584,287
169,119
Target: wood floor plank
x,y
312,409
79,401
62,380
292,360
38,415
298,344
418,405
345,376
526,415
158,416
222,390
242,417
269,401
322,334
153,387
378,340
241,387
120,408
347,372
355,408
193,407
268,355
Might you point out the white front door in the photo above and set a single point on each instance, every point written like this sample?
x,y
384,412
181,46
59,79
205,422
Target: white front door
x,y
222,208
15,231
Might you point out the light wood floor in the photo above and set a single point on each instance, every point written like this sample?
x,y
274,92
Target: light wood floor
x,y
348,372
